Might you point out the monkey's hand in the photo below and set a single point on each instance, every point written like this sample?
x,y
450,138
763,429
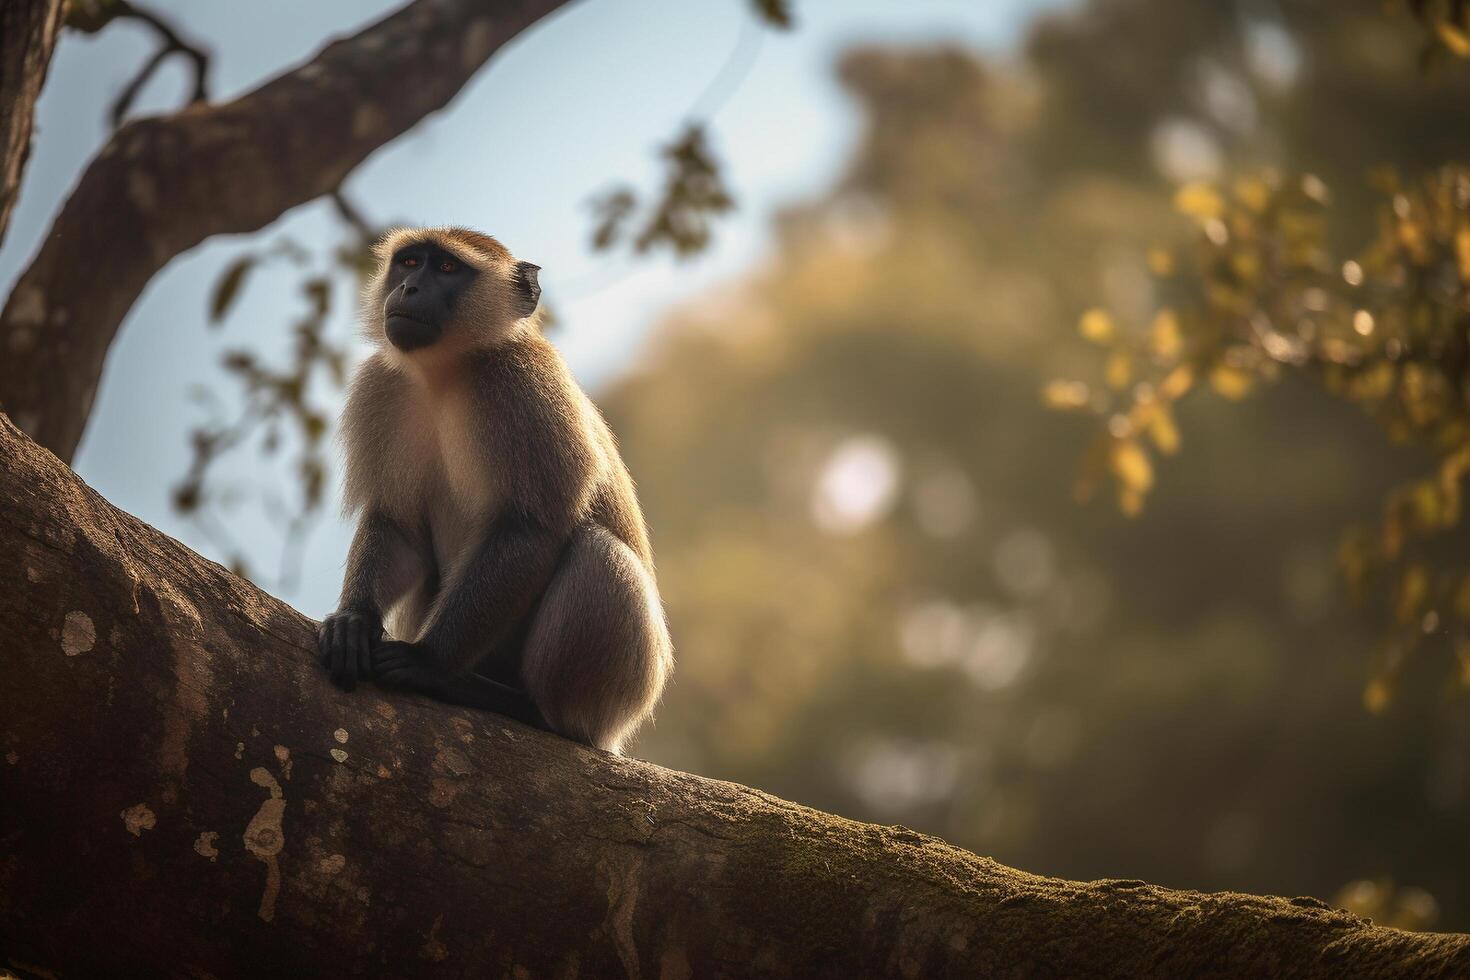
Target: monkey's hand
x,y
406,667
345,643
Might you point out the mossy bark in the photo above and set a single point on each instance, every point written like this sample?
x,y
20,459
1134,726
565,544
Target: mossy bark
x,y
185,794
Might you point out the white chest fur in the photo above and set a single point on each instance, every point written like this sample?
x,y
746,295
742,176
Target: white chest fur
x,y
444,476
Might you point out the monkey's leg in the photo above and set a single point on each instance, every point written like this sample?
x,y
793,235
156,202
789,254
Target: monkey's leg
x,y
399,665
598,650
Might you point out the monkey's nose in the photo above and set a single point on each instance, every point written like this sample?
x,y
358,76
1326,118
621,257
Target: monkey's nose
x,y
409,290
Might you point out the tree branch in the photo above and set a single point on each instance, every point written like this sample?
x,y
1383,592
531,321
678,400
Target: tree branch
x,y
187,795
169,43
163,185
28,30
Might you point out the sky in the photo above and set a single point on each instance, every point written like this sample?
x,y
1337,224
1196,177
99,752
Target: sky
x,y
581,101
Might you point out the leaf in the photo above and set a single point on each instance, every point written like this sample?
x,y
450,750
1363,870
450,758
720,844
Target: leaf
x,y
1254,193
1377,696
1412,591
1177,382
1065,394
1119,370
1161,262
1453,38
318,290
777,13
228,287
1162,429
1230,382
1096,325
1165,336
1130,464
1199,200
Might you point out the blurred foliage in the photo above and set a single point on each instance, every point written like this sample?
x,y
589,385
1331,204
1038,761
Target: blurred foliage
x,y
1259,294
1447,25
885,598
1399,908
777,13
693,194
278,406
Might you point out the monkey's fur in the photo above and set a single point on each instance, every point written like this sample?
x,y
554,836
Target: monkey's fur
x,y
499,535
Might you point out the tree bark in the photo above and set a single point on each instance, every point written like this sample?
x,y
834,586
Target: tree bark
x,y
186,795
163,185
28,30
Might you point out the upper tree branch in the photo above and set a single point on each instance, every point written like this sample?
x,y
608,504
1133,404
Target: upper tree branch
x,y
163,185
186,795
28,30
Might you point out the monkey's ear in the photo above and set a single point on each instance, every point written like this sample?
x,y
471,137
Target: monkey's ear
x,y
528,290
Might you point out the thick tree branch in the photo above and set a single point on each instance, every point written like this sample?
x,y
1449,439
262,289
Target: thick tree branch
x,y
163,185
185,794
28,30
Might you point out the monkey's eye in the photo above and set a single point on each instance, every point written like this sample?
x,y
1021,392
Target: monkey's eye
x,y
409,261
447,266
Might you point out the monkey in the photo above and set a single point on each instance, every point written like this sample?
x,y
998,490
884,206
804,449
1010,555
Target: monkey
x,y
500,560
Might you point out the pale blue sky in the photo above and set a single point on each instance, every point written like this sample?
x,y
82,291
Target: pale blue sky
x,y
579,102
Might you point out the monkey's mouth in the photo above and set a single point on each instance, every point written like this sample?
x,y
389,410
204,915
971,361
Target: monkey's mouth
x,y
407,333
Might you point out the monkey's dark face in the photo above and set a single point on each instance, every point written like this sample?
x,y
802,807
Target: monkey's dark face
x,y
424,285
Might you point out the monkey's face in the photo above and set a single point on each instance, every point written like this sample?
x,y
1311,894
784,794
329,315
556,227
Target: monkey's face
x,y
423,286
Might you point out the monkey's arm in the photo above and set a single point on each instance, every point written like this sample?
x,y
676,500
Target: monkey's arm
x,y
381,566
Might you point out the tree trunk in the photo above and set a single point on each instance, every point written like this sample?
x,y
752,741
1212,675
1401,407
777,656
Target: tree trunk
x,y
165,184
28,30
186,795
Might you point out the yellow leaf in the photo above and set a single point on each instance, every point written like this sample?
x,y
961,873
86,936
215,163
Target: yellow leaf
x,y
1166,338
1131,465
1233,383
1253,192
1096,325
1119,371
1163,430
1453,38
1247,265
1426,501
1199,200
1462,252
1377,696
1065,394
1161,262
1177,382
1413,590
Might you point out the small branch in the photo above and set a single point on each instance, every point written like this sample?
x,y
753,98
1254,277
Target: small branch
x,y
170,43
352,214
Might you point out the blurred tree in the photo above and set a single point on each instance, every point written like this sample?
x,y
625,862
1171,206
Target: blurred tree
x,y
889,601
1265,290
